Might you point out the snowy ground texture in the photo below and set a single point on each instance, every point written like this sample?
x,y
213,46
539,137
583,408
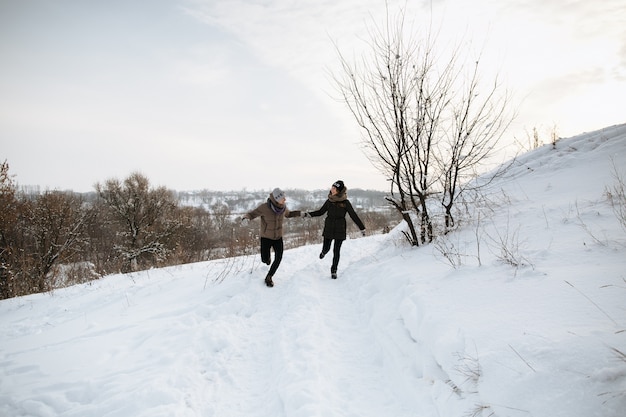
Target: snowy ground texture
x,y
400,333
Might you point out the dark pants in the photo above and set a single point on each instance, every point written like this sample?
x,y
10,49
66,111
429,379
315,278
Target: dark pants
x,y
336,251
266,245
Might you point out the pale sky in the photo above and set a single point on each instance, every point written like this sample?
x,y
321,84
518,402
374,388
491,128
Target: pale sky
x,y
234,94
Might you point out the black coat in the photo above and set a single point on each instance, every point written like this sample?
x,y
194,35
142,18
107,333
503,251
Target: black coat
x,y
335,223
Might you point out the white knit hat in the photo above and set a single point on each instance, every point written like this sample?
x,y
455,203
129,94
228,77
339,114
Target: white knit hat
x,y
278,194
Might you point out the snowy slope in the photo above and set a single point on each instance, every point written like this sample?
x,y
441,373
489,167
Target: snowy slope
x,y
400,333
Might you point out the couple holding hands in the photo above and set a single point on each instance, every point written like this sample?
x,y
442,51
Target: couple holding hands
x,y
274,210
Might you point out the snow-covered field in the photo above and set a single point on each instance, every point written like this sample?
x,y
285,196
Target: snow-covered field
x,y
400,333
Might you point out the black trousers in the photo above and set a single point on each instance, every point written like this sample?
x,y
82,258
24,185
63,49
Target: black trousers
x,y
336,251
268,244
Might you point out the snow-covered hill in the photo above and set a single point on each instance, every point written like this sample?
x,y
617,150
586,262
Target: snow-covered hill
x,y
400,333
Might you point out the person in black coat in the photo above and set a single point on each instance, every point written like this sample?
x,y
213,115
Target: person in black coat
x,y
336,206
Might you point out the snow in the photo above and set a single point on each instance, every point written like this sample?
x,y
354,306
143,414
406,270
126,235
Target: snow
x,y
401,332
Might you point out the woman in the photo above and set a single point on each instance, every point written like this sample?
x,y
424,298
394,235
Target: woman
x,y
272,213
336,206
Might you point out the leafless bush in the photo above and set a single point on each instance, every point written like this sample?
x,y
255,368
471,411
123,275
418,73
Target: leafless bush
x,y
602,242
479,410
449,251
506,246
469,367
227,267
534,141
616,194
65,275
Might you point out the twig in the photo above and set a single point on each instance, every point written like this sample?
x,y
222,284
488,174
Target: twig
x,y
592,302
524,360
620,355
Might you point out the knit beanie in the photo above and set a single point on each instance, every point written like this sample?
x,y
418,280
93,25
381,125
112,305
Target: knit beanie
x,y
339,185
278,195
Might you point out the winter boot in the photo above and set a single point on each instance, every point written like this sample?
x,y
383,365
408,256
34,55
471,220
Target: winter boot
x,y
333,275
268,281
322,254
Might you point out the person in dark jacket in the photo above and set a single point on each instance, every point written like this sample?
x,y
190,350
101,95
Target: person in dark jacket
x,y
336,206
272,213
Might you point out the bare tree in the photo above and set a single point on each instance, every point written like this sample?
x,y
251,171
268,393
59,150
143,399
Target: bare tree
x,y
196,239
476,123
423,126
55,222
147,217
36,233
9,210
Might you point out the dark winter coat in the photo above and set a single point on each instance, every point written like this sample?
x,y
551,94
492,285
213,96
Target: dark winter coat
x,y
335,223
272,214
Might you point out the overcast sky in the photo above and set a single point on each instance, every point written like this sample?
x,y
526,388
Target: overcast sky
x,y
233,94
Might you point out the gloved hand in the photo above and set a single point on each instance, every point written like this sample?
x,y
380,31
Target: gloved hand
x,y
305,214
363,232
245,221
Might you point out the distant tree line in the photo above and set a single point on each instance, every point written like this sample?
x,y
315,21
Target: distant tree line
x,y
53,239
